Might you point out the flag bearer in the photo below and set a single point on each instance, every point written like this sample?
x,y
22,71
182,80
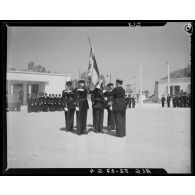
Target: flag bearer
x,y
98,107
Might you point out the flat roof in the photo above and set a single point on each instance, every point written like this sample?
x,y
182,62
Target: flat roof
x,y
37,73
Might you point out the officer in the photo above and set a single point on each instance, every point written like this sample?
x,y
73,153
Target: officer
x,y
98,106
168,100
133,101
163,101
108,98
119,108
82,107
178,100
62,103
70,104
29,103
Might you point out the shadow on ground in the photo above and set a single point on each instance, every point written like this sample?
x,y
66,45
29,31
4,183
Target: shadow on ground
x,y
91,129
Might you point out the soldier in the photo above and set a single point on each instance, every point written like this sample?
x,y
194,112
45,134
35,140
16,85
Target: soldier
x,y
49,102
37,103
184,101
168,100
98,107
130,100
62,103
29,103
82,107
163,101
189,100
44,100
177,100
181,100
174,101
108,98
119,108
70,104
52,101
59,102
133,101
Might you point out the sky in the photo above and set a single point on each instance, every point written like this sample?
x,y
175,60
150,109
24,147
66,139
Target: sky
x,y
119,51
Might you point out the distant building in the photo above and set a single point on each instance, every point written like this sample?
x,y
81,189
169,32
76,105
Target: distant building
x,y
180,80
24,83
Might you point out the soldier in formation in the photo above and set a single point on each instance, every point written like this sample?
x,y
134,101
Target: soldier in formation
x,y
82,107
69,105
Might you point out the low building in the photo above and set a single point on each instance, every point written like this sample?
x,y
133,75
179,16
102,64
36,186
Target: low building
x,y
176,86
25,82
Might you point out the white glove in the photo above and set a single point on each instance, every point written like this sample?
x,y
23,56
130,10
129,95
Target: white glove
x,y
111,108
66,109
105,98
104,91
77,108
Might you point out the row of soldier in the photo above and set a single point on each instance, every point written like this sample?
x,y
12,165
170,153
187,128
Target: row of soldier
x,y
180,100
44,103
131,101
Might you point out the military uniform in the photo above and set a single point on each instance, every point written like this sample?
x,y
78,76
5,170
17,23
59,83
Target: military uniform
x,y
108,104
52,102
168,100
70,104
174,101
119,109
82,104
98,109
29,104
130,101
163,101
133,102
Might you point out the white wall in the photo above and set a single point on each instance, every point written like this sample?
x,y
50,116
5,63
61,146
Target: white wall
x,y
182,82
48,82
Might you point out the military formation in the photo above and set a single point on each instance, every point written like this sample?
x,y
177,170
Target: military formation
x,y
180,100
45,103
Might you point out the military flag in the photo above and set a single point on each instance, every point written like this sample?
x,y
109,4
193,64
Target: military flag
x,y
93,72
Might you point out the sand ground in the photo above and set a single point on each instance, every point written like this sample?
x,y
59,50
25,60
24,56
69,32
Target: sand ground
x,y
156,138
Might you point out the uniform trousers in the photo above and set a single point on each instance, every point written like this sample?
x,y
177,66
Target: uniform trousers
x,y
81,121
69,119
120,119
98,117
111,121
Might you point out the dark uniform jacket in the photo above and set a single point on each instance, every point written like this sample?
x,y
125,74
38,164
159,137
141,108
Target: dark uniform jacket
x,y
108,103
119,102
97,98
81,98
69,99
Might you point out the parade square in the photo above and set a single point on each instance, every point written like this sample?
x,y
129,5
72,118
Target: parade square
x,y
156,137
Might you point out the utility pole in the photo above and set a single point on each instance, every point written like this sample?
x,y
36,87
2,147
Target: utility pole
x,y
168,79
140,95
110,77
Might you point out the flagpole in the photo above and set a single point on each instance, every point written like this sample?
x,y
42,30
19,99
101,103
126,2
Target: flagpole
x,y
168,79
